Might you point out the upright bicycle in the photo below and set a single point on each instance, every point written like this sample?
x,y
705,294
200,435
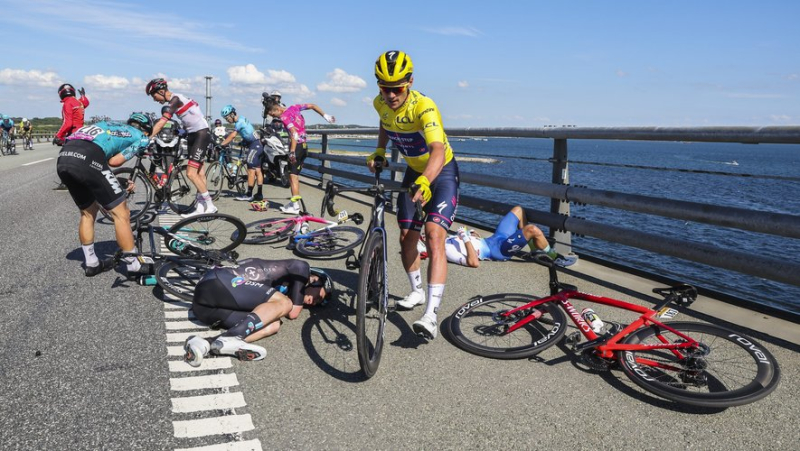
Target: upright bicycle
x,y
688,362
8,145
226,168
372,299
305,237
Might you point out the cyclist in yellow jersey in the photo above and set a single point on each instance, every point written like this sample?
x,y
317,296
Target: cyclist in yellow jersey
x,y
413,123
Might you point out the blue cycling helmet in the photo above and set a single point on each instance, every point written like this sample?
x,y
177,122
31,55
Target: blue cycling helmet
x,y
143,121
5,117
227,110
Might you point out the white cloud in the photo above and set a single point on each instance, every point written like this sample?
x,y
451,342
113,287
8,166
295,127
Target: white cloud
x,y
367,100
338,102
341,81
454,31
781,118
29,78
621,73
106,82
250,75
463,84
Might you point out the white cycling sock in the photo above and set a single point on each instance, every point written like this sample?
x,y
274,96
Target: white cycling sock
x,y
89,255
434,299
131,262
415,278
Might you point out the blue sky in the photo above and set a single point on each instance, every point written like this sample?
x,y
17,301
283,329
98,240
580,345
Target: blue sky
x,y
492,64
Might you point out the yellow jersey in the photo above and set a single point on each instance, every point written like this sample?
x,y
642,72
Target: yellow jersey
x,y
413,127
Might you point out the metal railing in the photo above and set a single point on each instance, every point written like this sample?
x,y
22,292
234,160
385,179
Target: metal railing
x,y
562,225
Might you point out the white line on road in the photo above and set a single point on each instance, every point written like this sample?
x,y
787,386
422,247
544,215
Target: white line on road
x,y
173,351
179,314
180,337
203,403
249,445
219,363
204,382
228,424
186,325
37,161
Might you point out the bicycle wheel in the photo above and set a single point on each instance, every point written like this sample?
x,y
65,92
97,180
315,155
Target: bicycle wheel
x,y
180,197
270,230
139,197
478,328
371,305
212,231
215,177
728,369
179,277
330,241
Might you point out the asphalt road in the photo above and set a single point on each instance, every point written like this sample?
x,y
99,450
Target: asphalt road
x,y
92,363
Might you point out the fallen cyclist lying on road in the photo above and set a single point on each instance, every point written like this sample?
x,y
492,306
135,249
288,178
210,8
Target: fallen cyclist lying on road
x,y
249,300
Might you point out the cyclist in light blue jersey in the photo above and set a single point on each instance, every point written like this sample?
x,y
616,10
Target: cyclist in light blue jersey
x,y
83,166
255,152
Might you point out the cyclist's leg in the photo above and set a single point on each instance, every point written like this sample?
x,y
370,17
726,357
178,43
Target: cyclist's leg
x,y
410,226
198,145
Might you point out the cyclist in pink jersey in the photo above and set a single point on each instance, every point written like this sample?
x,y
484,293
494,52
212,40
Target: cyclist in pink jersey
x,y
295,123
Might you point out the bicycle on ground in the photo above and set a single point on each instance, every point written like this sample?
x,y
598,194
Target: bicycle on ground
x,y
226,168
372,296
331,239
688,362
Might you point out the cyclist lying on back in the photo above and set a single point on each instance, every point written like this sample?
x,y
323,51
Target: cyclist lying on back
x,y
512,234
249,300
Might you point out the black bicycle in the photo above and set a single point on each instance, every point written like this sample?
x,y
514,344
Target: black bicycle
x,y
372,301
226,168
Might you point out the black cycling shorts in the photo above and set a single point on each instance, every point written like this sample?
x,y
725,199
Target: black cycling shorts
x,y
222,305
198,145
83,169
300,152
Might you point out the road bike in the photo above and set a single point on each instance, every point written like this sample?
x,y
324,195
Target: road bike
x,y
191,248
8,145
27,141
691,363
331,239
372,297
146,188
226,168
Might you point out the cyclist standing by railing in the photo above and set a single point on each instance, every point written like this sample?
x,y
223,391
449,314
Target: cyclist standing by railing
x,y
83,166
413,123
255,152
198,137
295,123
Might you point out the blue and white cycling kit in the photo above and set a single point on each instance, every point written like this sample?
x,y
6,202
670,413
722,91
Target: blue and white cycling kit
x,y
255,151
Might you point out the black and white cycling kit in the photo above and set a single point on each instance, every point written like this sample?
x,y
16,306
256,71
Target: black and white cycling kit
x,y
198,135
225,295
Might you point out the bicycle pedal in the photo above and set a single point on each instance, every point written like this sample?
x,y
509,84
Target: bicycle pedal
x,y
572,340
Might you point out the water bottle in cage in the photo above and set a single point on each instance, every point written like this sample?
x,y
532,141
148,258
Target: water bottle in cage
x,y
594,321
304,228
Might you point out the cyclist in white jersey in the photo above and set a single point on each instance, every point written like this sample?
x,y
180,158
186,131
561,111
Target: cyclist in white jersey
x,y
198,137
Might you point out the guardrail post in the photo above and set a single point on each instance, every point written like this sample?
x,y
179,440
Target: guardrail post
x,y
326,178
563,239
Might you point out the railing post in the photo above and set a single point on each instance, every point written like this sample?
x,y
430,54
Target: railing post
x,y
326,178
563,239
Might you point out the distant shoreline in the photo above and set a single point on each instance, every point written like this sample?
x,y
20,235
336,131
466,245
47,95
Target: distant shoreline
x,y
357,153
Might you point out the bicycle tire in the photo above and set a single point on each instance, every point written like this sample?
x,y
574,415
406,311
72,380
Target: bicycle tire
x,y
272,230
138,200
371,305
210,231
476,327
330,241
737,370
179,277
179,196
215,178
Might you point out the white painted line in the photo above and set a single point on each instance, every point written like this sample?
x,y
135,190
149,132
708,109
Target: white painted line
x,y
37,161
203,382
177,305
250,445
186,325
179,314
219,363
173,351
229,424
180,337
203,403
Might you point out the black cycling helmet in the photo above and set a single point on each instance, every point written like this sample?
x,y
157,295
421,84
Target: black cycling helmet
x,y
164,109
141,120
154,85
218,122
66,90
323,281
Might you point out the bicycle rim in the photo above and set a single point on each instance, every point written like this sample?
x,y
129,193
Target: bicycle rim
x,y
180,277
180,197
729,369
479,328
138,199
270,230
214,179
372,305
330,241
213,231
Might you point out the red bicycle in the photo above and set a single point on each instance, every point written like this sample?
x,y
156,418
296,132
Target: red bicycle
x,y
687,362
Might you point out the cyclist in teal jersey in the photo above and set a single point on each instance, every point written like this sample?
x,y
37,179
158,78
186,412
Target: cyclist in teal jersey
x,y
83,166
255,151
